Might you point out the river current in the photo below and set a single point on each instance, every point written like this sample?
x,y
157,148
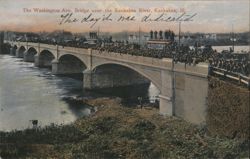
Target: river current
x,y
30,93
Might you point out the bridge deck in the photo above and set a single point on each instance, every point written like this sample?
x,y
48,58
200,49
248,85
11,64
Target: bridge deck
x,y
200,69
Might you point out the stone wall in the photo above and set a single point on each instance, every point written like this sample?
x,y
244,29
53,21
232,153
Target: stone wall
x,y
228,109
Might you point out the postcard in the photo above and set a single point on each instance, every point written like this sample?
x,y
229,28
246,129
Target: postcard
x,y
123,79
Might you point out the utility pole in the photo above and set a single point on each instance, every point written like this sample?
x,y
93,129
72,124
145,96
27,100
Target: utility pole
x,y
98,31
26,39
233,36
179,35
139,36
63,35
173,71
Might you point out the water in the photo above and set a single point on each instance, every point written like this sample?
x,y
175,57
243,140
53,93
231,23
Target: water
x,y
236,48
31,93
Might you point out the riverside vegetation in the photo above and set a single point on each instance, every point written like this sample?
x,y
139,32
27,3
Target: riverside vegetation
x,y
115,131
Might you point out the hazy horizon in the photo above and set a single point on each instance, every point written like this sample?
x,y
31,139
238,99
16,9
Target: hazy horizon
x,y
212,16
123,31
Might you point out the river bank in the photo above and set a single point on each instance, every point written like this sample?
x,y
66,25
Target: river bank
x,y
115,131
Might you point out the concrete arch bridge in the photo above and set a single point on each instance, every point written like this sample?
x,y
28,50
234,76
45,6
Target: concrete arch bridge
x,y
183,88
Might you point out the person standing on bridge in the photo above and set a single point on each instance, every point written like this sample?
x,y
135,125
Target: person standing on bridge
x,y
140,101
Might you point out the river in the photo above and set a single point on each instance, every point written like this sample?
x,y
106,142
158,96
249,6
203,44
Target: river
x,y
236,48
30,93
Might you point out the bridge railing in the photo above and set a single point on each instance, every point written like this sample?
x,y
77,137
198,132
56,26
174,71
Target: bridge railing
x,y
164,63
114,55
237,77
44,46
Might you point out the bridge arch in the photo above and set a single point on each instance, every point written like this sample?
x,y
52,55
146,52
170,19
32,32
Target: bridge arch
x,y
29,55
83,59
45,58
32,49
20,52
70,64
138,71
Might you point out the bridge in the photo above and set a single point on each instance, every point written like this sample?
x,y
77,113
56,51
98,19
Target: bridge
x,y
183,88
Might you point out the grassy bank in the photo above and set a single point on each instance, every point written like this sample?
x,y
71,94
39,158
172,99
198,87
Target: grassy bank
x,y
228,112
119,132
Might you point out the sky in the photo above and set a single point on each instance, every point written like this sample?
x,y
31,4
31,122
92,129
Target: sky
x,y
210,16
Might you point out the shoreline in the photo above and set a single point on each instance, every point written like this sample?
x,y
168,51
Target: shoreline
x,y
114,131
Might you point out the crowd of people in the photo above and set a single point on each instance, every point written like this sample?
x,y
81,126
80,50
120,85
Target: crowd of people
x,y
232,62
179,53
228,61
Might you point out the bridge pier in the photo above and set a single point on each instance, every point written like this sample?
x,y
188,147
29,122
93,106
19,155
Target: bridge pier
x,y
12,51
87,79
166,105
19,54
55,67
167,94
37,61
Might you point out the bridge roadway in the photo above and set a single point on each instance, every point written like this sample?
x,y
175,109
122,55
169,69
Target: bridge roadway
x,y
183,88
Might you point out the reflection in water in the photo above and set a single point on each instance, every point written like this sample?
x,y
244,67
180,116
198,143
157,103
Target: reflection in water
x,y
30,93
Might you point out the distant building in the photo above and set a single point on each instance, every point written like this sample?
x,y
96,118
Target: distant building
x,y
92,39
186,39
160,39
210,36
157,44
213,36
56,36
134,39
93,35
223,36
145,38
